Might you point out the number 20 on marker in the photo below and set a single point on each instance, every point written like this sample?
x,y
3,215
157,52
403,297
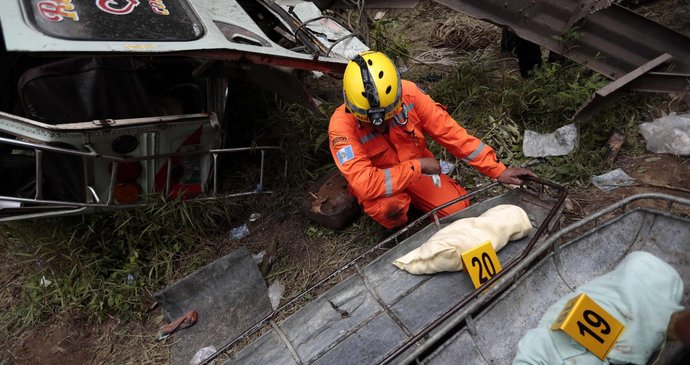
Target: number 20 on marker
x,y
481,263
589,324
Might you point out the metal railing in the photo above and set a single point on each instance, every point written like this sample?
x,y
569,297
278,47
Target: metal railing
x,y
94,202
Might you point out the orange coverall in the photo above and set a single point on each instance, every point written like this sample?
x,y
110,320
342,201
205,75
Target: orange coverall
x,y
382,170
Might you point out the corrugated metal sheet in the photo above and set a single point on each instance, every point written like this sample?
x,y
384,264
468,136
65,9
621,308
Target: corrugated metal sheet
x,y
604,37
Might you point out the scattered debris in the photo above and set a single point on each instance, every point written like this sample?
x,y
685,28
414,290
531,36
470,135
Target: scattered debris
x,y
259,257
437,56
668,134
613,146
663,186
270,257
229,293
275,292
613,180
254,217
239,232
187,320
329,202
463,33
44,282
446,167
332,35
559,143
201,355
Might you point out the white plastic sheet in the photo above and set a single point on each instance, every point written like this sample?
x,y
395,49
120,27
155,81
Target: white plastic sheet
x,y
612,180
559,143
668,134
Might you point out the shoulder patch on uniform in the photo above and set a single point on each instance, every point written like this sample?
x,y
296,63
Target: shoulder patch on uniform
x,y
345,154
338,141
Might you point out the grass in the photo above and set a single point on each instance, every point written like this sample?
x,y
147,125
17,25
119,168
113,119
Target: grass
x,y
497,105
107,264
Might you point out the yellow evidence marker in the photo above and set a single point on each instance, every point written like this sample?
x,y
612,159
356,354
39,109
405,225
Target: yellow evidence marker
x,y
589,324
481,263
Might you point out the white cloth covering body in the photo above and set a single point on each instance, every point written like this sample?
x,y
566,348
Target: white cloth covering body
x,y
441,252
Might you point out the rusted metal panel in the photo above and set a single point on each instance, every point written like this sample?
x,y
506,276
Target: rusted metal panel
x,y
604,37
610,93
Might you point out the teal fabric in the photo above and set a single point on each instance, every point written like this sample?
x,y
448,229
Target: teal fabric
x,y
642,292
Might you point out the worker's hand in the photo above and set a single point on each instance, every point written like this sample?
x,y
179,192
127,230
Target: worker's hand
x,y
512,175
430,166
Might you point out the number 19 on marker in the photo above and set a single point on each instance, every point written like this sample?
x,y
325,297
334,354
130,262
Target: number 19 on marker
x,y
481,263
589,324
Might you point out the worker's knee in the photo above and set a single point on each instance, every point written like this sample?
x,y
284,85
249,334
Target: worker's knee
x,y
390,212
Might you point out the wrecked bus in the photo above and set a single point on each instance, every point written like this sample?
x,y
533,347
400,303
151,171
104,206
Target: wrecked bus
x,y
104,102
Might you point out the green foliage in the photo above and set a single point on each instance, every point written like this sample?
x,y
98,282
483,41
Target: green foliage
x,y
570,38
497,106
304,137
384,39
107,264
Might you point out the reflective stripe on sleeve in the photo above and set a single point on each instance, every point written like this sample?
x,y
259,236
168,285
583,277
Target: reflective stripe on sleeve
x,y
389,182
474,153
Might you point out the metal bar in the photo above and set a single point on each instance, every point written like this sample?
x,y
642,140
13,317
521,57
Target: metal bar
x,y
85,176
337,41
109,202
304,23
662,82
43,147
437,223
113,180
613,91
167,176
327,66
215,173
39,174
95,196
261,172
632,75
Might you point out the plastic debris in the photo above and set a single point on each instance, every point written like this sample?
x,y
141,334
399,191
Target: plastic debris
x,y
239,232
201,355
559,143
446,167
130,279
259,257
254,217
612,180
275,292
44,282
668,134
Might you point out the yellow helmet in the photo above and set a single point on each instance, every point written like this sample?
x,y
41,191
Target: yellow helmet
x,y
371,87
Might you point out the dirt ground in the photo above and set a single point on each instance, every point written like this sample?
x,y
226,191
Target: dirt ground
x,y
71,340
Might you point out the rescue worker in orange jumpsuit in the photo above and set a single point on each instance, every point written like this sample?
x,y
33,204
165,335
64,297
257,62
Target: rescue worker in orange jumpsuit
x,y
377,139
